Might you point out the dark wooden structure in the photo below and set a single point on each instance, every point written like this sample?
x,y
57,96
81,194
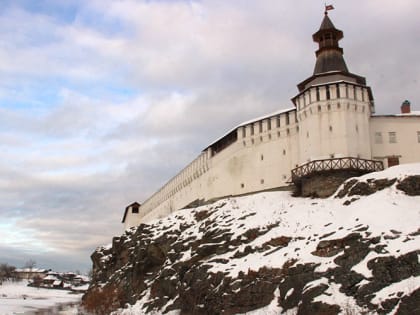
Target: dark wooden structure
x,y
335,164
322,177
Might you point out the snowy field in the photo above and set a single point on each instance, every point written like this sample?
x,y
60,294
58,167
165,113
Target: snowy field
x,y
18,298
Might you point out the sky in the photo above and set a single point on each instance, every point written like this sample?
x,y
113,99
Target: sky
x,y
103,101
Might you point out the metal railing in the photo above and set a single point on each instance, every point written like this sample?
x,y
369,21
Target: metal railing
x,y
345,163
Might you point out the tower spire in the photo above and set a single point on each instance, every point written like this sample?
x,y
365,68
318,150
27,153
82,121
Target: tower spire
x,y
329,56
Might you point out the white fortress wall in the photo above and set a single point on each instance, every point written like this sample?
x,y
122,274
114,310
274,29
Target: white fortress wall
x,y
260,158
396,136
334,121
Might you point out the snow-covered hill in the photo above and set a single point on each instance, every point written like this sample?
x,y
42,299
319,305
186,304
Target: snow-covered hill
x,y
357,252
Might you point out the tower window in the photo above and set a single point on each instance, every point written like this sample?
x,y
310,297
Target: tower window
x,y
378,137
331,128
347,91
338,90
260,126
287,119
262,181
278,122
392,137
327,90
262,157
269,123
243,132
317,94
252,129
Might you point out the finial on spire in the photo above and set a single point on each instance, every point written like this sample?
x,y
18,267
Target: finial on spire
x,y
327,8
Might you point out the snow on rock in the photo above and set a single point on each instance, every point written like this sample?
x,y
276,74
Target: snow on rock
x,y
274,253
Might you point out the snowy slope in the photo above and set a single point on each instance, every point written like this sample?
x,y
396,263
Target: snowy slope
x,y
335,254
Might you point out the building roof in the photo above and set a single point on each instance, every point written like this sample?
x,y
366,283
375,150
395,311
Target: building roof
x,y
282,111
329,55
135,204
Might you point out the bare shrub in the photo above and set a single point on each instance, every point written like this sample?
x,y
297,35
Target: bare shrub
x,y
101,301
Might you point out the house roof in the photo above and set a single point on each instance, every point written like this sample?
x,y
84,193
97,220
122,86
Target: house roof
x,y
135,204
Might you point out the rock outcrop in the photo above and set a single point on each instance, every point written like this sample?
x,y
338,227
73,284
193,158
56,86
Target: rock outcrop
x,y
271,251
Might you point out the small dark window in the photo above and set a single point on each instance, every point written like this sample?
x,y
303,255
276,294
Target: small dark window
x,y
135,209
242,185
278,122
262,157
331,128
317,94
260,126
327,89
287,119
252,129
243,132
269,123
262,181
338,90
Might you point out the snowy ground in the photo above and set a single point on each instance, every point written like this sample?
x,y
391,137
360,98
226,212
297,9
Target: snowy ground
x,y
18,298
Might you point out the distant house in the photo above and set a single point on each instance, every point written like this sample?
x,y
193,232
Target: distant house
x,y
30,273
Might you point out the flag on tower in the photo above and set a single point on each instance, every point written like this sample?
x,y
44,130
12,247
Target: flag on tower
x,y
329,7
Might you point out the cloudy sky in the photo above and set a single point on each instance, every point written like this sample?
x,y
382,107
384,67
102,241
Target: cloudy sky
x,y
102,101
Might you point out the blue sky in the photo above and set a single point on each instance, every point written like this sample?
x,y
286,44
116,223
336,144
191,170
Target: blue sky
x,y
102,101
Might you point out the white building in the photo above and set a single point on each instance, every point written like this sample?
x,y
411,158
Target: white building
x,y
330,126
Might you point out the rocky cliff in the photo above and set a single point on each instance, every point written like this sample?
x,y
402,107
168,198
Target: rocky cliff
x,y
269,253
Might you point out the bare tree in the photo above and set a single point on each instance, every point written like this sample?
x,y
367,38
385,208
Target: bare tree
x,y
6,272
30,264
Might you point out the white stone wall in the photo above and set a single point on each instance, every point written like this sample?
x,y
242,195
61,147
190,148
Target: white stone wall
x,y
267,149
258,160
336,125
407,138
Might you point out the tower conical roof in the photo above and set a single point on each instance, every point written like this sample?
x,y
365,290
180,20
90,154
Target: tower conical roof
x,y
329,55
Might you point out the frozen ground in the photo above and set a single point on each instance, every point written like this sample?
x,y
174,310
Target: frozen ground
x,y
18,298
